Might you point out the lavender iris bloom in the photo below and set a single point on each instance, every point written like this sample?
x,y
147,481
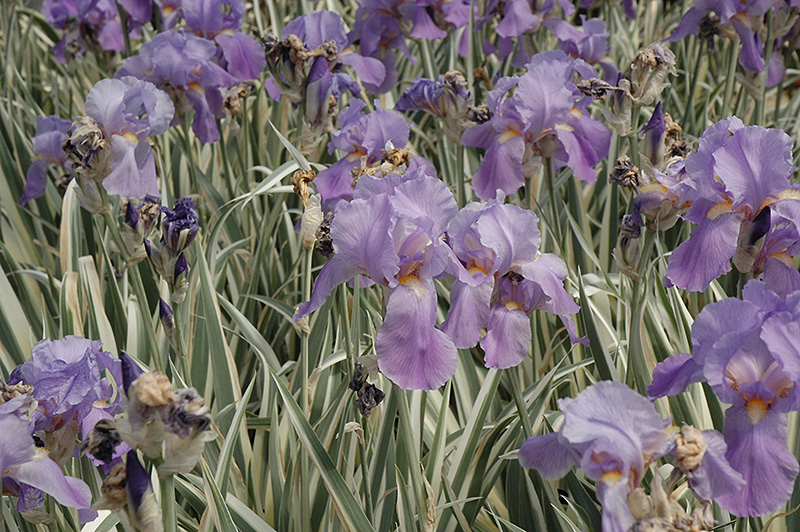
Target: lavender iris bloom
x,y
51,132
545,117
183,65
93,24
746,349
363,138
31,467
307,62
728,14
740,181
589,43
614,434
220,20
109,146
391,232
68,382
504,278
381,27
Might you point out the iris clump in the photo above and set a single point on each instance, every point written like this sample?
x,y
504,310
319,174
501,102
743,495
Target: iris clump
x,y
745,350
738,186
614,434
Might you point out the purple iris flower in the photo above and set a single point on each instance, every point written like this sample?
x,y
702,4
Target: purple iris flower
x,y
740,186
183,64
746,349
614,434
94,24
307,63
391,233
381,27
503,279
109,146
363,138
51,132
545,117
220,20
447,97
728,14
31,467
68,382
589,43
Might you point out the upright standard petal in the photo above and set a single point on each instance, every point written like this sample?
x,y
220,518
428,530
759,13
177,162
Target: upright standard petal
x,y
412,353
755,164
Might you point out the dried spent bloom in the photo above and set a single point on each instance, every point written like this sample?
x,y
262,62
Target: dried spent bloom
x,y
746,350
649,71
625,173
163,422
128,493
368,395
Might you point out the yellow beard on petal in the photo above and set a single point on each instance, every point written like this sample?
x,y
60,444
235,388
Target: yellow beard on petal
x,y
756,410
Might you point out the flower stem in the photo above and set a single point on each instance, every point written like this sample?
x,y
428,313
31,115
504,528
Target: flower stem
x,y
168,503
729,81
519,400
761,103
138,289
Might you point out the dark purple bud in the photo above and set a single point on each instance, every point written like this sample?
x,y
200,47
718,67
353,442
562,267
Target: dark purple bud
x,y
167,317
131,215
130,370
181,268
180,225
137,479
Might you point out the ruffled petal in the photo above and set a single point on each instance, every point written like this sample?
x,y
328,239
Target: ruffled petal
x,y
707,253
244,55
511,232
412,353
781,333
755,164
758,451
508,337
550,455
501,167
673,375
468,314
41,472
715,476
